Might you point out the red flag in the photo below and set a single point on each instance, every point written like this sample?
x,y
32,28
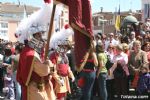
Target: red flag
x,y
47,1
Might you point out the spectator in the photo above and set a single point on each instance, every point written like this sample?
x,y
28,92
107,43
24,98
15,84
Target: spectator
x,y
120,71
102,71
143,86
132,39
1,73
137,59
146,48
18,50
88,74
110,79
9,84
111,40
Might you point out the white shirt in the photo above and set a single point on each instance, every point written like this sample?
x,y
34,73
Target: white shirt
x,y
121,56
116,58
113,42
131,44
1,57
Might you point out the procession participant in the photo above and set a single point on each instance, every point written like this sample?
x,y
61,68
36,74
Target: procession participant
x,y
33,72
59,57
80,18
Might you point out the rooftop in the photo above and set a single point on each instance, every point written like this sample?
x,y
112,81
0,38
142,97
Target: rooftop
x,y
14,8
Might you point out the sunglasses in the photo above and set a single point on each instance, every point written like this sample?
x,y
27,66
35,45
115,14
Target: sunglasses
x,y
111,47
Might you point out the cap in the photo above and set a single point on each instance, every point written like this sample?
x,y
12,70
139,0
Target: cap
x,y
133,33
111,33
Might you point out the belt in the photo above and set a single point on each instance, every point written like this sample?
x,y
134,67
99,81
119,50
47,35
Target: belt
x,y
88,70
39,85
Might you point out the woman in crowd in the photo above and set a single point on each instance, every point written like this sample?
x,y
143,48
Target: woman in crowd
x,y
137,59
146,48
88,74
18,50
120,71
102,71
110,79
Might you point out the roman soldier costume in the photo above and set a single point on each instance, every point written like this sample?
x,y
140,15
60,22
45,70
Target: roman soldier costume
x,y
33,71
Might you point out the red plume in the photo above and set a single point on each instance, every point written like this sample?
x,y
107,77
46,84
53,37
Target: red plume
x,y
47,1
66,26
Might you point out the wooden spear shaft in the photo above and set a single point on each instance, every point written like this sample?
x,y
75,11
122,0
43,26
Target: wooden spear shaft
x,y
50,31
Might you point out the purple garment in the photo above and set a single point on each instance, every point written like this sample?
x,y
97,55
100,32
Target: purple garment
x,y
9,83
143,83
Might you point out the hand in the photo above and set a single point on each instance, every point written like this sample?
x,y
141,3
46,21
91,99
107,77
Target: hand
x,y
120,61
97,76
73,79
47,61
61,81
136,70
5,64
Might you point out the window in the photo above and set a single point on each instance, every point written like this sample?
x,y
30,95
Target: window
x,y
4,32
4,25
146,10
66,20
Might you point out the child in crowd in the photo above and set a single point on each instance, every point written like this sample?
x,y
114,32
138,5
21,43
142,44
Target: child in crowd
x,y
9,85
143,86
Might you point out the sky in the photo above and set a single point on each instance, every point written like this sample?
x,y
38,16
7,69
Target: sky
x,y
108,5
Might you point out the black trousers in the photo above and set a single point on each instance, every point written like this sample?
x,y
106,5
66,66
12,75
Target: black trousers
x,y
110,89
121,86
1,80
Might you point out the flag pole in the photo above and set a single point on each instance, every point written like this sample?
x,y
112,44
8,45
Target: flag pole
x,y
50,31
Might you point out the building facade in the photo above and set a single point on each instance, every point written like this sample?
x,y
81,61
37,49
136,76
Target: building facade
x,y
10,16
145,9
104,22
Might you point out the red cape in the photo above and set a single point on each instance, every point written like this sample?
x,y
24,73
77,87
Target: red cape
x,y
24,70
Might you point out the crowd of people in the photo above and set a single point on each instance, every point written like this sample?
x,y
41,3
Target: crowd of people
x,y
126,65
116,67
113,65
